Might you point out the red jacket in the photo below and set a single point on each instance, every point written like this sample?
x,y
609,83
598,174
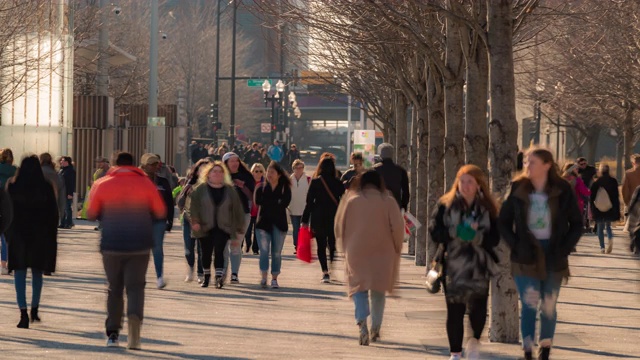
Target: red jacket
x,y
126,202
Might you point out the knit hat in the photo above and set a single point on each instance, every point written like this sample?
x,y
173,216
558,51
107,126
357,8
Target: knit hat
x,y
385,150
228,156
149,159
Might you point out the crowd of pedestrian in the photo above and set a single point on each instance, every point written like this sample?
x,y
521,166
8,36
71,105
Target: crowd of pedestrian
x,y
233,201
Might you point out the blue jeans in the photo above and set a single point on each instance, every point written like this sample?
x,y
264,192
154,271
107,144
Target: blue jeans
x,y
601,226
190,246
361,301
271,242
533,292
20,281
159,227
233,251
3,252
295,223
67,220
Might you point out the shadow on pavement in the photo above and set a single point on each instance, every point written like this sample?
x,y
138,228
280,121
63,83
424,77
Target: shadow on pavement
x,y
595,352
599,325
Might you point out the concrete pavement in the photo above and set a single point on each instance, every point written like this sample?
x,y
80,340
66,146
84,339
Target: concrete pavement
x,y
599,312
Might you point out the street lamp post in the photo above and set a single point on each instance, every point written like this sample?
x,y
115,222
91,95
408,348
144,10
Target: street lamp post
x,y
274,99
537,110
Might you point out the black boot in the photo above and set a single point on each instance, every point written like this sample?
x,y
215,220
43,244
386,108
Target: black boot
x,y
207,278
24,319
544,353
34,315
528,355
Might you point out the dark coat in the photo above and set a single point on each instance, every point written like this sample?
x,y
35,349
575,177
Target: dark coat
x,y
396,179
273,205
527,255
320,207
164,189
32,236
245,193
6,211
69,175
610,184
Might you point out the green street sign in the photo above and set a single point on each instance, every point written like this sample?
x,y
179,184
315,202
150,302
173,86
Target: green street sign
x,y
257,82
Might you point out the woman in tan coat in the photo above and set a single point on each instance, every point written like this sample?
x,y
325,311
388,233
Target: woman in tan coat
x,y
370,228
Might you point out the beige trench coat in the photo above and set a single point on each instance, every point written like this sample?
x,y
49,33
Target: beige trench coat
x,y
370,228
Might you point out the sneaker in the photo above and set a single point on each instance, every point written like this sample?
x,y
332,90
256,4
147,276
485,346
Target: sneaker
x,y
200,278
609,246
219,282
326,279
4,270
113,340
189,277
234,279
256,253
161,283
364,334
263,283
455,357
472,352
602,251
274,284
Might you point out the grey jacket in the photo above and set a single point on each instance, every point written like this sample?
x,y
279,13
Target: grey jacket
x,y
229,215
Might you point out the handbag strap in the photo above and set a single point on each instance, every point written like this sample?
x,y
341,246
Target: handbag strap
x,y
329,191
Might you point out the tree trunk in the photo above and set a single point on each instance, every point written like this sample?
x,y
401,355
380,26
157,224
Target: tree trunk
x,y
592,143
413,173
476,139
436,168
422,211
454,136
627,133
402,154
392,131
503,135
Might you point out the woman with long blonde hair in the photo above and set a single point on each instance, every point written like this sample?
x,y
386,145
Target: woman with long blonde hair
x,y
465,224
216,214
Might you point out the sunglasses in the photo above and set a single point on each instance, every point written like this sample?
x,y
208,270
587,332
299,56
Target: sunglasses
x,y
258,171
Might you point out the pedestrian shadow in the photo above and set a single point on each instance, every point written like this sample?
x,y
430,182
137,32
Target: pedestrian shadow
x,y
603,278
595,352
602,290
592,267
600,325
606,256
286,292
600,306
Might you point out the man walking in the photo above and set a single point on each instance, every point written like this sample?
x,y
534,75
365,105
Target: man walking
x,y
252,156
199,153
102,167
395,177
150,163
631,180
275,152
127,204
586,171
68,173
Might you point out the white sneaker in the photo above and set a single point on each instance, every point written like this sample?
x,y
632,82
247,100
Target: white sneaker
x,y
189,277
161,284
472,351
455,357
4,270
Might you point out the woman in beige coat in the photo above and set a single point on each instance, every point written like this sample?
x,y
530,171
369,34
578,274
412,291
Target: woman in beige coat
x,y
370,228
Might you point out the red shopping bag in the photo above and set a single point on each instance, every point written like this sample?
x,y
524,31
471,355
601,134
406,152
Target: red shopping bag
x,y
304,244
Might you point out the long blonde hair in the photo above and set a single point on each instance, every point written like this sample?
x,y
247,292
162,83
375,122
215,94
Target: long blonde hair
x,y
206,169
486,200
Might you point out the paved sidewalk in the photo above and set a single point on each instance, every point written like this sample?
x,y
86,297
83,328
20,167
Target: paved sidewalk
x,y
599,313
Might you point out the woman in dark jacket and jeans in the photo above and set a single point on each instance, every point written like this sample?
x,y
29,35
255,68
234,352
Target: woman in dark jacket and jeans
x,y
541,223
32,236
465,223
604,218
273,198
323,198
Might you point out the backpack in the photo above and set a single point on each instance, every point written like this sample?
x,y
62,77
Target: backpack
x,y
602,201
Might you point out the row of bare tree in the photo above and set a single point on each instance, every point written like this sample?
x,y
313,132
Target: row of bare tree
x,y
452,63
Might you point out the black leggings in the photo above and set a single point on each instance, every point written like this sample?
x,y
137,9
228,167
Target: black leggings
x,y
253,245
215,242
324,240
455,321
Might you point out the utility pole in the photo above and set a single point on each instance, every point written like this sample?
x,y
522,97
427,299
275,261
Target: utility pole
x,y
102,80
232,120
153,61
215,101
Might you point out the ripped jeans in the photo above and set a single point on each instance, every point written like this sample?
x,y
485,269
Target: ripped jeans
x,y
538,294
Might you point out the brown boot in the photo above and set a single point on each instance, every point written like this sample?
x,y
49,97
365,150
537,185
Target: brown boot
x,y
134,332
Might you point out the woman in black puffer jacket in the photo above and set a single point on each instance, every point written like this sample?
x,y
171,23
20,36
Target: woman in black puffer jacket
x,y
605,214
